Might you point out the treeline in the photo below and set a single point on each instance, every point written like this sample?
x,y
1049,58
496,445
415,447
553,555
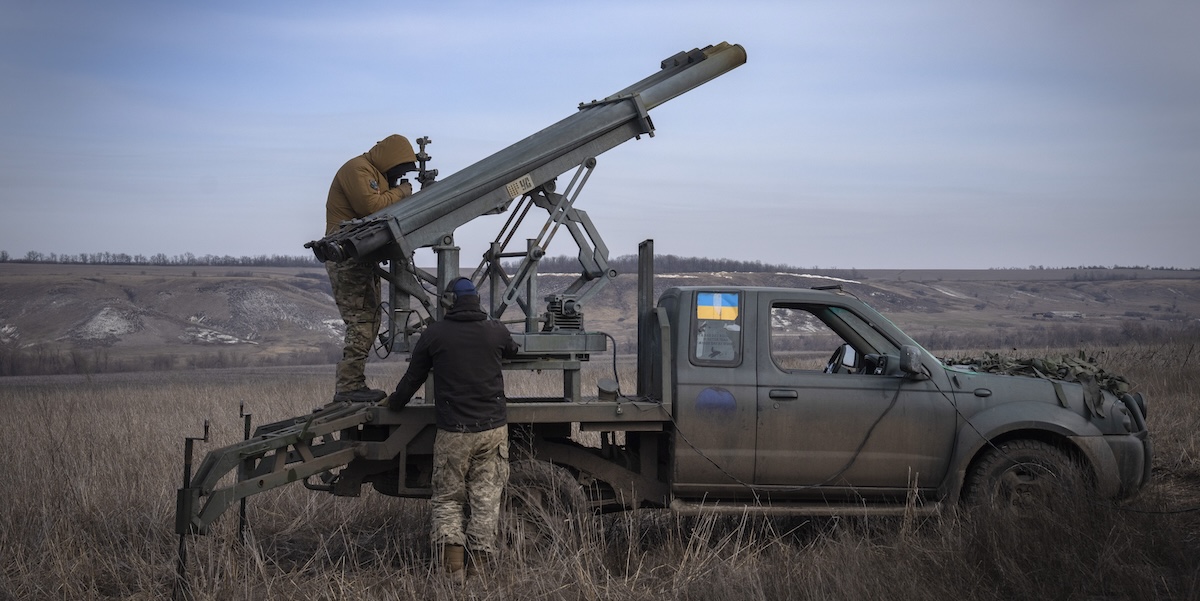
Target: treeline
x,y
559,264
677,264
1097,268
186,259
672,264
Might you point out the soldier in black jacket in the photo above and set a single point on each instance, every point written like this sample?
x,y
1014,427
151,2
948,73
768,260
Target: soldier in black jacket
x,y
470,465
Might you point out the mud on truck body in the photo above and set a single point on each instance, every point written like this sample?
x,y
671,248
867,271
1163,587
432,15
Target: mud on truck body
x,y
730,411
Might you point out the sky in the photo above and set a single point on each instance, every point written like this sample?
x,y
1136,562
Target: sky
x,y
862,134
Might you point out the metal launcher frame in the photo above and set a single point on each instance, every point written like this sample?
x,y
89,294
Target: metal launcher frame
x,y
527,172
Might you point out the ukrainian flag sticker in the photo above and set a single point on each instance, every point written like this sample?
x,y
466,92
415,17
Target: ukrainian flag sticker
x,y
717,305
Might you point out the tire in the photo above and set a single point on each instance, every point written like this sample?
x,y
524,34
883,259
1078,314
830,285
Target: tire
x,y
542,506
1025,474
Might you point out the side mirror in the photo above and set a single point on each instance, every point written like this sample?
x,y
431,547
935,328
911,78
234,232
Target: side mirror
x,y
910,363
849,359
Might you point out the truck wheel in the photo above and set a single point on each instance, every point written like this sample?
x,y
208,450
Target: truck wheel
x,y
542,507
1022,474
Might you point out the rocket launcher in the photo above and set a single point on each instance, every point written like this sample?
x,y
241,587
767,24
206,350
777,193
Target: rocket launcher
x,y
488,186
526,170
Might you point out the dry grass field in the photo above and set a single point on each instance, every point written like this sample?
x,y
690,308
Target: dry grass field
x,y
91,463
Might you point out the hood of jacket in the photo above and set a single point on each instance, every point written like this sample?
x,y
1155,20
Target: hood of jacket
x,y
391,151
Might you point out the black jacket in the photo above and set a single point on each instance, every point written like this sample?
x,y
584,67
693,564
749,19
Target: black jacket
x,y
464,351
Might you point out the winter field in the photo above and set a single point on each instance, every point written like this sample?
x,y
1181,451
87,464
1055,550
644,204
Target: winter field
x,y
91,464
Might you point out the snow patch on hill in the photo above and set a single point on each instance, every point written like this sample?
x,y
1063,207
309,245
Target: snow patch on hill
x,y
206,336
950,293
820,277
336,328
108,323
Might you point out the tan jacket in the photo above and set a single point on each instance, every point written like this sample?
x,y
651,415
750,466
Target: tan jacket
x,y
360,187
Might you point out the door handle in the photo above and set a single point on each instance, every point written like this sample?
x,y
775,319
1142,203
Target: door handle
x,y
784,395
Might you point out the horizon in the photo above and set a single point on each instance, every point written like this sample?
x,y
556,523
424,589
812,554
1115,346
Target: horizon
x,y
188,259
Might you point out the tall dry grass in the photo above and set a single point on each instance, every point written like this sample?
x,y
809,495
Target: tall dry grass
x,y
90,467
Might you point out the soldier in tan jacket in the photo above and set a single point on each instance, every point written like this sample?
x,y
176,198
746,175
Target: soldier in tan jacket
x,y
364,185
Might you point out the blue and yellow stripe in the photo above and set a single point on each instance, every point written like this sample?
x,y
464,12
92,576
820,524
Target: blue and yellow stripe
x,y
722,306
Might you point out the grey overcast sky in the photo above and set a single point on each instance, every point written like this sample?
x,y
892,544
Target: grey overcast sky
x,y
917,134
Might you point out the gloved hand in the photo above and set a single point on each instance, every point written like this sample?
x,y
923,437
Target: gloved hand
x,y
405,186
395,403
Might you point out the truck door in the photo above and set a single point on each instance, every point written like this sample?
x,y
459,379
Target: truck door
x,y
716,412
836,418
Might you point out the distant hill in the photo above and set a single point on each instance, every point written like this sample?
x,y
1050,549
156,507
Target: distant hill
x,y
85,318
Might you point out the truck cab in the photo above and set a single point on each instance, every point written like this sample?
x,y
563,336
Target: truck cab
x,y
800,396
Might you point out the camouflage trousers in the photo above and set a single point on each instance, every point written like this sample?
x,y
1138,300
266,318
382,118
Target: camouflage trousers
x,y
356,292
470,470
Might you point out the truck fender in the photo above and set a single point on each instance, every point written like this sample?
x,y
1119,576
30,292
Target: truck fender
x,y
1038,420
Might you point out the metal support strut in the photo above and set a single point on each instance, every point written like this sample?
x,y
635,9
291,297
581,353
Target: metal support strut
x,y
182,589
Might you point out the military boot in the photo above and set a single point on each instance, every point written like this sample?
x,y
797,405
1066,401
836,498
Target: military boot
x,y
453,562
478,562
362,395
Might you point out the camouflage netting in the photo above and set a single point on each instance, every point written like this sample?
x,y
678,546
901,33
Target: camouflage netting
x,y
1080,368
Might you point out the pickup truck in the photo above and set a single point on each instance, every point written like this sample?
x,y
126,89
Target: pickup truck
x,y
731,410
733,413
878,422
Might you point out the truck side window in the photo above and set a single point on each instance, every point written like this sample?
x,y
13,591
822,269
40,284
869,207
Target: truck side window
x,y
800,340
804,336
717,333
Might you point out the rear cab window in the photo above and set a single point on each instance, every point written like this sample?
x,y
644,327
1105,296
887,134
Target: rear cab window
x,y
717,329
